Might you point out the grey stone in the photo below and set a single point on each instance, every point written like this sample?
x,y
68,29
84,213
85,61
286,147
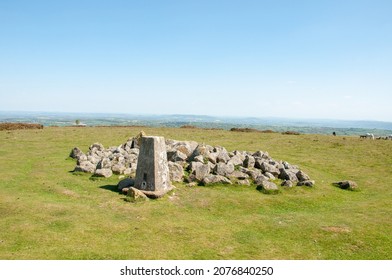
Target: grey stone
x,y
261,154
97,146
136,195
241,154
185,147
176,172
93,159
258,162
224,169
125,183
176,156
260,179
76,153
152,174
211,165
199,158
270,176
223,156
236,160
239,175
308,183
215,179
268,187
193,165
82,158
85,166
288,174
347,185
201,150
201,171
212,157
254,173
118,169
129,171
103,172
244,182
266,167
104,164
302,176
249,161
287,183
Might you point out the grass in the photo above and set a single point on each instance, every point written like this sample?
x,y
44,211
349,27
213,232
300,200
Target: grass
x,y
47,212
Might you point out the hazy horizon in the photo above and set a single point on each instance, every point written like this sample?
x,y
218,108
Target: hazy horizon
x,y
224,117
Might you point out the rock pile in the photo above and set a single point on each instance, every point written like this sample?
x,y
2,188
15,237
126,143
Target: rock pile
x,y
196,164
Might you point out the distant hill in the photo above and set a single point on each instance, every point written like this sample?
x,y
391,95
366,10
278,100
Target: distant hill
x,y
316,126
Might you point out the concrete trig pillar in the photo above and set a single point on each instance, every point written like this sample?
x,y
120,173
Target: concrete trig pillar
x,y
152,173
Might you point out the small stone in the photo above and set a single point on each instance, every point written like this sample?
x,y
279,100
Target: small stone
x,y
347,185
308,183
136,195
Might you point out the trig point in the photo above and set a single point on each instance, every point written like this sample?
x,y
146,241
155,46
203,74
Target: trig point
x,y
152,173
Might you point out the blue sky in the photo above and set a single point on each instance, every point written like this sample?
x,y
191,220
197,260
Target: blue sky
x,y
298,59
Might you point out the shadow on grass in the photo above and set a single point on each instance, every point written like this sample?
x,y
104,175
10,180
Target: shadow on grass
x,y
112,188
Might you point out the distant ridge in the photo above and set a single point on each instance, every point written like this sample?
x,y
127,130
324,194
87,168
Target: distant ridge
x,y
317,126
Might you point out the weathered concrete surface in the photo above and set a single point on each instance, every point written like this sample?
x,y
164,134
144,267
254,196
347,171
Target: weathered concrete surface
x,y
152,173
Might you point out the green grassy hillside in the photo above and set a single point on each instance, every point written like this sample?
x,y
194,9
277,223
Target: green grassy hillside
x,y
47,212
